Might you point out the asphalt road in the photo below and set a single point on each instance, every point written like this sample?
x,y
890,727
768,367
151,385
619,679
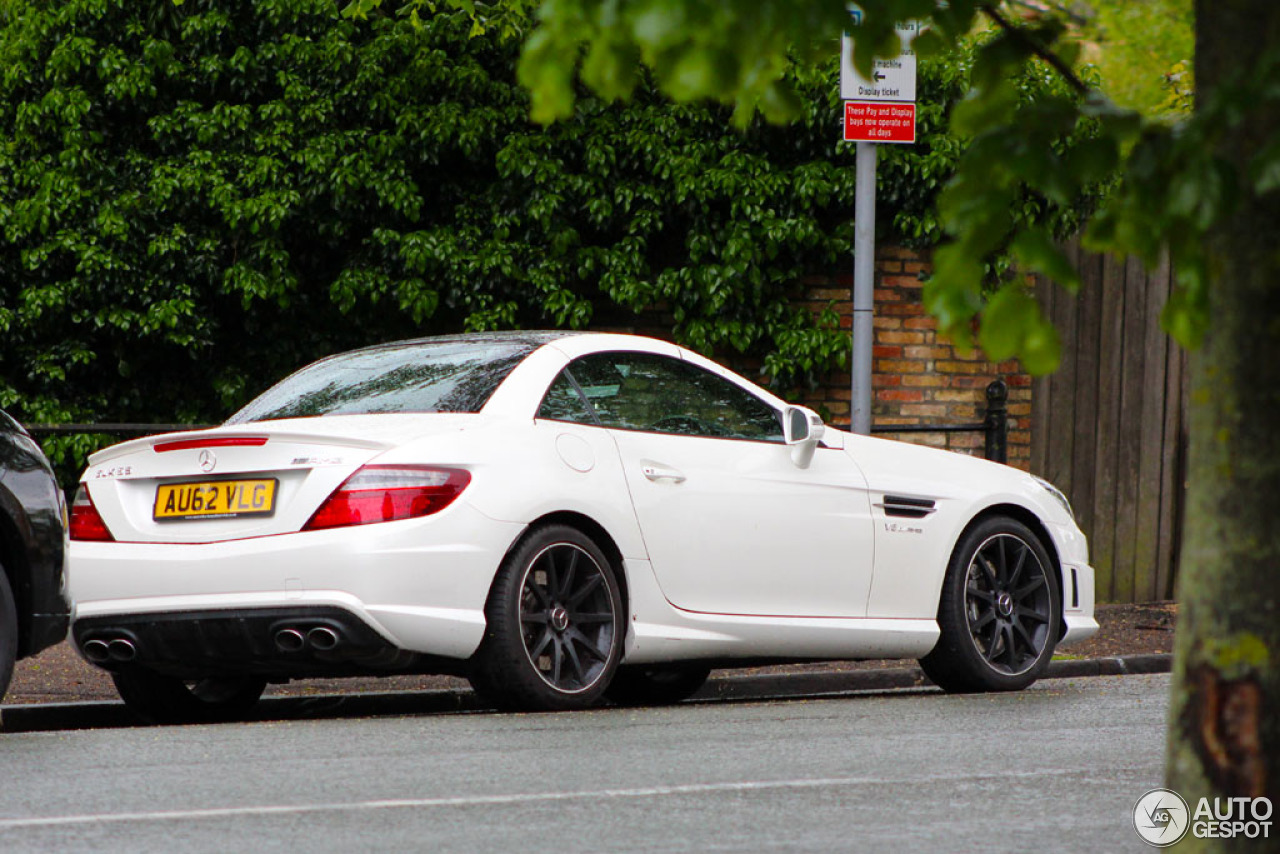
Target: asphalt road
x,y
1054,768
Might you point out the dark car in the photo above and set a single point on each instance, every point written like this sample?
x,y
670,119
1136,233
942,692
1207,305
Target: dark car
x,y
33,605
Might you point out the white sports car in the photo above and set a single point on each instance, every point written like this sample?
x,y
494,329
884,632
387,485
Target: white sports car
x,y
561,517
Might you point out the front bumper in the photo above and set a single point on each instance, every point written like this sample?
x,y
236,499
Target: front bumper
x,y
1077,591
1078,622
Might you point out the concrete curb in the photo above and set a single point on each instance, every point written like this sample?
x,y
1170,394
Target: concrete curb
x,y
814,683
39,717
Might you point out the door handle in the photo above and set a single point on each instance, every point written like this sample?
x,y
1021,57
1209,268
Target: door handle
x,y
656,472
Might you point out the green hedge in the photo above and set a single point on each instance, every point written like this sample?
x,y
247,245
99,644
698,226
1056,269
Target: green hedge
x,y
198,198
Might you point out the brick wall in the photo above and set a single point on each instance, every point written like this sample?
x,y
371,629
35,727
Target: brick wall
x,y
917,376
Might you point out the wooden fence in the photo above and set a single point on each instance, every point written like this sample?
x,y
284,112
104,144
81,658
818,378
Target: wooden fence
x,y
1110,427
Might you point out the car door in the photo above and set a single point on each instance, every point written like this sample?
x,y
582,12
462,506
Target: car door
x,y
731,524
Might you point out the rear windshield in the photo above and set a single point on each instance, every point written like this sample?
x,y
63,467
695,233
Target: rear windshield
x,y
428,376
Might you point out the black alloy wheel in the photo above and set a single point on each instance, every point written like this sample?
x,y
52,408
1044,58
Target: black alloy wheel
x,y
567,617
1007,604
998,612
161,699
554,625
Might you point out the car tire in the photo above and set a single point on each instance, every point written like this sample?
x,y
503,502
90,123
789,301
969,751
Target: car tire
x,y
998,612
8,632
554,625
161,699
656,685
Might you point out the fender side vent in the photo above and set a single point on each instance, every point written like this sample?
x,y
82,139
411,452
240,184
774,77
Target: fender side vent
x,y
910,508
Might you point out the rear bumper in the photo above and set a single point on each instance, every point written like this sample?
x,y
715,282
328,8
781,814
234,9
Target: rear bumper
x,y
267,642
420,585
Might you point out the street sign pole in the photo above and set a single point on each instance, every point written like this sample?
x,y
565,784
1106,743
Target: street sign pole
x,y
877,109
864,273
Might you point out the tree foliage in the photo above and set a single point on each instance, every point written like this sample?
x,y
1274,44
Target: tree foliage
x,y
197,199
1143,50
208,195
1174,188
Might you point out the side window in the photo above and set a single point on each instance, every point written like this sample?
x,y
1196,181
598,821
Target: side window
x,y
641,391
563,403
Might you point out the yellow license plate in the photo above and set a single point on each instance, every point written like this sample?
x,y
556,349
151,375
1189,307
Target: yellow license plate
x,y
217,499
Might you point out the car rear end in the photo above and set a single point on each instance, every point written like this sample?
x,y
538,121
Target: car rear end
x,y
283,549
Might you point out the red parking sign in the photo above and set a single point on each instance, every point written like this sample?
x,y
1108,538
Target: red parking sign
x,y
879,121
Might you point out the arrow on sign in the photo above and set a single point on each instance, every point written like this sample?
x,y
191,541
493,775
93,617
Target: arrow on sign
x,y
879,76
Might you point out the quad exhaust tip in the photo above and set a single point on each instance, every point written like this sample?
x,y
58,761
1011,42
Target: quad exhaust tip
x,y
101,651
96,651
121,649
290,640
322,638
319,638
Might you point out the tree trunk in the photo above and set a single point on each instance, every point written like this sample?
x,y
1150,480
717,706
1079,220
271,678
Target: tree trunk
x,y
1224,737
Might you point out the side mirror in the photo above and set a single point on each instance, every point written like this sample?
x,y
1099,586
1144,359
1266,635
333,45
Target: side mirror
x,y
802,429
796,425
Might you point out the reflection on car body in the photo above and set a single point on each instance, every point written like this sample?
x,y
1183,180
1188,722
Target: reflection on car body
x,y
33,609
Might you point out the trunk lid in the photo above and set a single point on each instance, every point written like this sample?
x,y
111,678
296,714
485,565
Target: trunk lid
x,y
241,481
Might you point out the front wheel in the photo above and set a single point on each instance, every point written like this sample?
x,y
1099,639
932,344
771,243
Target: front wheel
x,y
161,699
998,611
554,625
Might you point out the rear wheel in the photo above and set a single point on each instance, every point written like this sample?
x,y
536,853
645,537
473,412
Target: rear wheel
x,y
656,685
8,632
554,625
998,612
162,699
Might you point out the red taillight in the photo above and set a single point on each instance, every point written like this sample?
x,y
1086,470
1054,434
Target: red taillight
x,y
388,493
218,442
86,524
